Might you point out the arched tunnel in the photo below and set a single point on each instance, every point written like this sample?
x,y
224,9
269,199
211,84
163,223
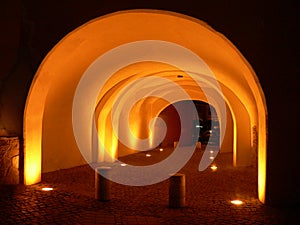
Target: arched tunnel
x,y
75,90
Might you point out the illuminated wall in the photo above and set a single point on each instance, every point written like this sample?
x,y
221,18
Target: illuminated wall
x,y
47,117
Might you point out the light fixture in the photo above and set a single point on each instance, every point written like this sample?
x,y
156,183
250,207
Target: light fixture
x,y
236,202
148,155
123,164
47,189
214,167
161,149
211,157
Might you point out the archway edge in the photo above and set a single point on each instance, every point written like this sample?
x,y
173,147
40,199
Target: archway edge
x,y
61,58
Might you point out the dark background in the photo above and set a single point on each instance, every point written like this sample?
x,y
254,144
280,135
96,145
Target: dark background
x,y
265,32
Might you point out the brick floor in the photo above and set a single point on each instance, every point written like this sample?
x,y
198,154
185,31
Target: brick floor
x,y
208,196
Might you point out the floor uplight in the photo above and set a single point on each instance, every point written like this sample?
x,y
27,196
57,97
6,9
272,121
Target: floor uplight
x,y
161,149
47,189
148,155
214,167
237,202
123,164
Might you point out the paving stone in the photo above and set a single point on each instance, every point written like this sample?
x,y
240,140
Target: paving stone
x,y
208,196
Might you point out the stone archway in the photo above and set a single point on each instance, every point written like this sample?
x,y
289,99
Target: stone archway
x,y
48,111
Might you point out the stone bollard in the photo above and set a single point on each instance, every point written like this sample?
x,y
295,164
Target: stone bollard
x,y
177,191
102,184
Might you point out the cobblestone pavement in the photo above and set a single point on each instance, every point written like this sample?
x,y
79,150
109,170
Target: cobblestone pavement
x,y
208,196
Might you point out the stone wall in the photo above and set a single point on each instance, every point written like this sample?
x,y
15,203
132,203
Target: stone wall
x,y
9,160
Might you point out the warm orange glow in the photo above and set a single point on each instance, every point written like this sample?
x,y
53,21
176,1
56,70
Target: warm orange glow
x,y
32,138
236,202
32,167
114,147
108,141
234,141
262,171
33,174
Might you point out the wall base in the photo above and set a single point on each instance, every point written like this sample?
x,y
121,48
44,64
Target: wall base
x,y
9,160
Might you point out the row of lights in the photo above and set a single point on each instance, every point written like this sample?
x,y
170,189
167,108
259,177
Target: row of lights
x,y
213,168
234,202
149,155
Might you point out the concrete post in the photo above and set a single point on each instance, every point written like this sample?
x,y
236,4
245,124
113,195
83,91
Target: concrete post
x,y
102,184
177,191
